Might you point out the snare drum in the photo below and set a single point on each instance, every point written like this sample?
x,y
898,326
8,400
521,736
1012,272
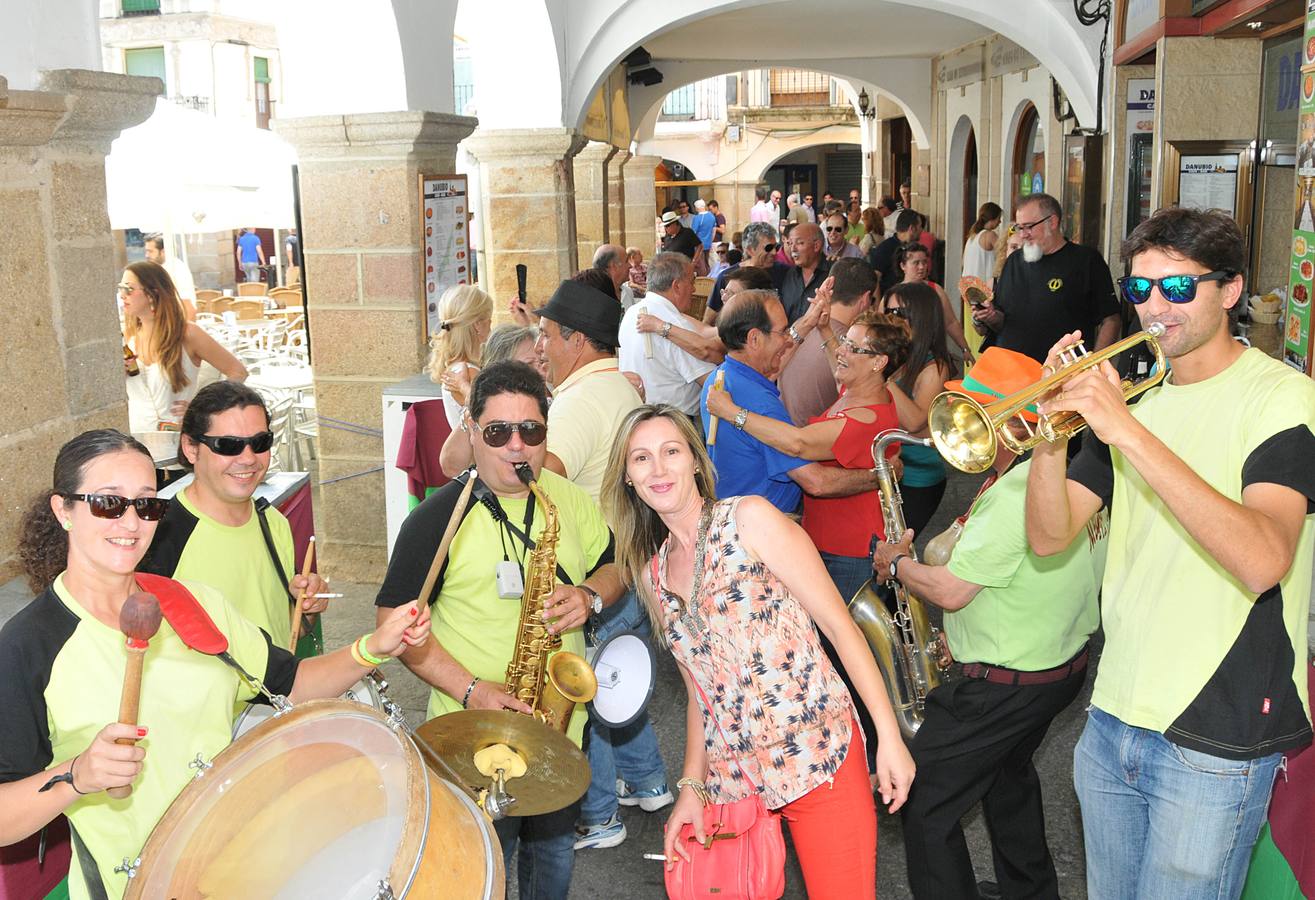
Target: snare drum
x,y
328,800
368,691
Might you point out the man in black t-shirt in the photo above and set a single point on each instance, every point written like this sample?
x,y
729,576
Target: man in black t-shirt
x,y
1050,288
908,227
678,238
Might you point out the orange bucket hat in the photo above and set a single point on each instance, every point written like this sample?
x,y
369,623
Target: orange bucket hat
x,y
997,374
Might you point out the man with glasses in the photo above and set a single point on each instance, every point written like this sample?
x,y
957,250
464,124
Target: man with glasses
x,y
758,242
477,599
837,247
810,270
1202,684
1051,288
754,329
214,532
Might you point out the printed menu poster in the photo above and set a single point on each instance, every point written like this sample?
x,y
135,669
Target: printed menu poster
x,y
447,239
1209,182
1296,324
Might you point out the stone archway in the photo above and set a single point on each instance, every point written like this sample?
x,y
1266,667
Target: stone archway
x,y
961,139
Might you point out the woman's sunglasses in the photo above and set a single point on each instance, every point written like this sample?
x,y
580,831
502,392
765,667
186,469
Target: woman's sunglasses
x,y
496,434
230,445
1174,288
897,311
855,348
112,506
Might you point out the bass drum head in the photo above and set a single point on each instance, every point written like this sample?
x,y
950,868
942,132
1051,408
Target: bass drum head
x,y
327,800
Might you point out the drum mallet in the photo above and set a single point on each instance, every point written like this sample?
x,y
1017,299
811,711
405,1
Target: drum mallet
x,y
301,596
713,421
139,620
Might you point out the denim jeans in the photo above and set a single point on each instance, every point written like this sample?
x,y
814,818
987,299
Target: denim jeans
x,y
1162,820
847,572
547,852
632,751
251,271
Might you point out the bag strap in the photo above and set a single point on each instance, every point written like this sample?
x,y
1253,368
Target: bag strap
x,y
261,505
485,496
87,863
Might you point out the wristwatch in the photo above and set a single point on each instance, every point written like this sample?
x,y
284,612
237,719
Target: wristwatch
x,y
740,418
894,564
794,335
666,330
595,600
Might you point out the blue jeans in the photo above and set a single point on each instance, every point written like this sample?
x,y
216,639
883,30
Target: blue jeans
x,y
251,271
631,751
847,572
547,852
1162,820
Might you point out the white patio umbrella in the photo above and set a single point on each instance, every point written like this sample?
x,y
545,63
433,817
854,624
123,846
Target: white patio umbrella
x,y
186,171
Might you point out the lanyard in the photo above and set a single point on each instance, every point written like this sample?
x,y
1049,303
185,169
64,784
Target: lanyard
x,y
491,502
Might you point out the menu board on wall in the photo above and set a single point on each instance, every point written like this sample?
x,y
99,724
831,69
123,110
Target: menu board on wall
x,y
1209,182
446,262
1296,325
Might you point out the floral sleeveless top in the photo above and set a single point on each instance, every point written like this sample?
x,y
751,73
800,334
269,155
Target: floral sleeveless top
x,y
754,651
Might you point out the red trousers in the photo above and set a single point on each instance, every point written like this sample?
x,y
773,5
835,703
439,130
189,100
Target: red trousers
x,y
834,830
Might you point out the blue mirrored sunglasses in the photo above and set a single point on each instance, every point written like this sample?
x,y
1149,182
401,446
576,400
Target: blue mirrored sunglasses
x,y
1174,288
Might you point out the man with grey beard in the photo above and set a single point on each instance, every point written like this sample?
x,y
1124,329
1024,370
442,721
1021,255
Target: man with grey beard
x,y
1051,288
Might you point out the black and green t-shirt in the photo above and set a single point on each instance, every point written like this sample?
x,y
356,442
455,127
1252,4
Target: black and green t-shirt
x,y
1190,651
62,676
1068,290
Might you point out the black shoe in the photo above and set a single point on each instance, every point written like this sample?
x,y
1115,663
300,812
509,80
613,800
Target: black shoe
x,y
988,890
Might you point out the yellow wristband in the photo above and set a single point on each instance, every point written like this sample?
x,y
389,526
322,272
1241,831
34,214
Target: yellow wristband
x,y
366,654
360,660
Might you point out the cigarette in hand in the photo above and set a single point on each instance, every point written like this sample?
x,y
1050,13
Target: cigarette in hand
x,y
328,596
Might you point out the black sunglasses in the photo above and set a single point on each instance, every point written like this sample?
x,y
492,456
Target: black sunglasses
x,y
835,228
112,506
1174,288
496,434
897,311
769,248
230,445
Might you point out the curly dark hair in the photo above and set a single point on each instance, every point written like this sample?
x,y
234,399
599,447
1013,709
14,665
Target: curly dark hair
x,y
215,398
42,541
1208,237
507,377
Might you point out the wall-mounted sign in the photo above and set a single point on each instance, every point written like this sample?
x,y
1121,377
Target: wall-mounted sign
x,y
963,67
1006,57
444,211
1297,333
1209,182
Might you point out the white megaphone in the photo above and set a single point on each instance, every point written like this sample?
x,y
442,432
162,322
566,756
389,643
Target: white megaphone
x,y
626,673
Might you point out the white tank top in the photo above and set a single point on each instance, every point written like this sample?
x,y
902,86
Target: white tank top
x,y
150,395
977,260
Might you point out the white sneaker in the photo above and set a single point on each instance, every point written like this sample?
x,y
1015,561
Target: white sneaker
x,y
650,800
600,837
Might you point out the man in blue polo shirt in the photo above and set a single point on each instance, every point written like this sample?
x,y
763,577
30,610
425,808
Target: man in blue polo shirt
x,y
753,327
250,254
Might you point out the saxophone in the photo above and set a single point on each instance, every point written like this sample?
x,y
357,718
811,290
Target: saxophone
x,y
549,682
906,645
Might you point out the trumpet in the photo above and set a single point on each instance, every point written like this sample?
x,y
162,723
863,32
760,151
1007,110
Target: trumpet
x,y
966,433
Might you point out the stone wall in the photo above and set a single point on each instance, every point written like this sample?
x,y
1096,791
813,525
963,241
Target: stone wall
x,y
63,369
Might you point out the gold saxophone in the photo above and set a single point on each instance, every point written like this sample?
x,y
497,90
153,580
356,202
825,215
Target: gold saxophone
x,y
906,645
550,682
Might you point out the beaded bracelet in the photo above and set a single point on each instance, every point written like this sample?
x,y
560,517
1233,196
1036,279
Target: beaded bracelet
x,y
697,786
470,687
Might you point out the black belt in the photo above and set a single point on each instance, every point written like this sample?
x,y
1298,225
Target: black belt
x,y
1001,675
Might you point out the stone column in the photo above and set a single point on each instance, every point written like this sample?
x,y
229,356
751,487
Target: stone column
x,y
592,201
362,242
641,203
63,369
616,198
527,210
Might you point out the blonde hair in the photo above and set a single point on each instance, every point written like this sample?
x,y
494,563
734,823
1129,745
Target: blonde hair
x,y
638,530
170,327
460,309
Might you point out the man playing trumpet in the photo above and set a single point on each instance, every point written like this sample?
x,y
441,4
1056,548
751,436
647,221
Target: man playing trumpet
x,y
1020,624
1201,688
477,598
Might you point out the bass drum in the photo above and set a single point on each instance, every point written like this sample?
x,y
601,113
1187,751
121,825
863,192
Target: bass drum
x,y
369,691
327,800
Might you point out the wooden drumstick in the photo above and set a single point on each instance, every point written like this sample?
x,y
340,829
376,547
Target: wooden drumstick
x,y
713,421
448,534
301,597
139,620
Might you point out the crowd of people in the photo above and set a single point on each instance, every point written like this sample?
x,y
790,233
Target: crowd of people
x,y
713,477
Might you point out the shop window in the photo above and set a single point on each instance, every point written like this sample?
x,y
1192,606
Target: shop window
x,y
145,61
1029,167
264,106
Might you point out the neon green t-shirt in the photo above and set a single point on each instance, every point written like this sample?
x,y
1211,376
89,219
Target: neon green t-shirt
x,y
476,626
1033,612
63,679
1190,651
232,559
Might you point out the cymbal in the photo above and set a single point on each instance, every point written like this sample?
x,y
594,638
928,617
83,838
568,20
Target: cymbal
x,y
557,772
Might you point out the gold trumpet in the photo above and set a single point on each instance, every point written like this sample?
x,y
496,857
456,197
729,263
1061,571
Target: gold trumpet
x,y
966,432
